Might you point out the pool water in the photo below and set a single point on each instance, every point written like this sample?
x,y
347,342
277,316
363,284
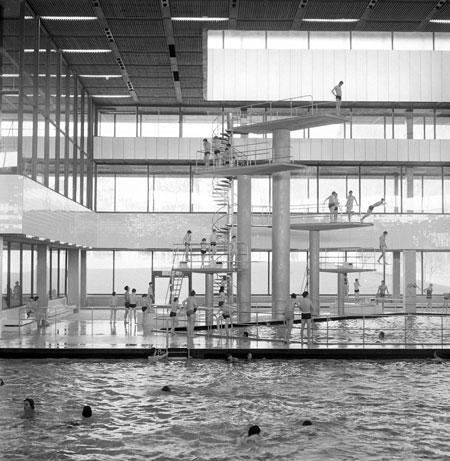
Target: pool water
x,y
361,410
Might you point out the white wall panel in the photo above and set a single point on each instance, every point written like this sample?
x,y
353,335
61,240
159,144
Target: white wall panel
x,y
375,75
436,76
304,146
327,149
413,150
129,148
360,149
316,149
150,148
445,76
404,76
372,74
425,76
117,149
172,148
382,76
349,149
186,150
286,75
107,147
295,150
380,150
435,151
140,148
337,149
371,152
162,148
402,150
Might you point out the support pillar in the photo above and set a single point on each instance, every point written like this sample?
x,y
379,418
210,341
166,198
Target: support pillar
x,y
42,276
409,280
1,275
209,298
244,238
281,225
73,277
341,293
314,274
409,190
83,290
396,274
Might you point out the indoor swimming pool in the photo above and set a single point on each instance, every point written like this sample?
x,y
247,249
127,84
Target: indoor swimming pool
x,y
361,410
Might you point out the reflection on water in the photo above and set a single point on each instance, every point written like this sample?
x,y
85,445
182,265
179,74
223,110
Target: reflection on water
x,y
361,410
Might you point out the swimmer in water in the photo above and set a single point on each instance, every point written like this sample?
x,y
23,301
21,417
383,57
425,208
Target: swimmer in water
x,y
230,358
173,390
437,358
307,422
2,383
28,408
381,336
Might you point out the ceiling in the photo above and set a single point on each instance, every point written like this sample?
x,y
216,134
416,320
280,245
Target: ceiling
x,y
161,61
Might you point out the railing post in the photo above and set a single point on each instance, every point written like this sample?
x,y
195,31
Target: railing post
x,y
327,330
442,332
364,331
405,330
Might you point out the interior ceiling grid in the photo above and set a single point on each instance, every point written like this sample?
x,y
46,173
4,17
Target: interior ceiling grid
x,y
390,26
62,7
265,9
211,8
150,71
402,11
141,44
131,8
74,28
264,25
145,59
335,9
137,27
188,44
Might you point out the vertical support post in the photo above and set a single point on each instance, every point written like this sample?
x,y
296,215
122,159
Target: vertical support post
x,y
396,192
409,190
281,229
83,279
314,275
209,299
58,119
42,275
341,293
47,113
21,25
1,282
396,274
36,68
90,156
244,238
73,276
409,279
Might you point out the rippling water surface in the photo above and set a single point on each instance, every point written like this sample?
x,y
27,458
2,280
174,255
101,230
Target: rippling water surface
x,y
361,410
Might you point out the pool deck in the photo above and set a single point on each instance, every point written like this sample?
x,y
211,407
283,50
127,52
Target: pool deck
x,y
90,334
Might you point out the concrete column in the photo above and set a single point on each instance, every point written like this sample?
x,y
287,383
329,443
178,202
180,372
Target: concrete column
x,y
396,193
341,293
410,190
281,229
314,273
209,298
42,280
83,268
244,238
396,274
73,277
1,276
409,281
409,124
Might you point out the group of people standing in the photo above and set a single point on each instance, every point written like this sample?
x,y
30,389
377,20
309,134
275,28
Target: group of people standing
x,y
334,206
210,247
305,307
131,302
221,150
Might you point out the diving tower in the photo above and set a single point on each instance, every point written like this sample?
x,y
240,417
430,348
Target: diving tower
x,y
280,128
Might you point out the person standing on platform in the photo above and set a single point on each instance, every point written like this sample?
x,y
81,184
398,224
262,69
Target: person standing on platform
x,y
207,151
383,248
216,147
371,208
333,205
351,199
289,316
191,306
233,250
113,302
174,307
356,287
150,294
446,299
225,310
203,250
429,296
346,287
382,291
133,304
213,242
306,308
126,297
187,244
337,92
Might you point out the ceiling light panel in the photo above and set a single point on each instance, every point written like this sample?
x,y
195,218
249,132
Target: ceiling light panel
x,y
61,8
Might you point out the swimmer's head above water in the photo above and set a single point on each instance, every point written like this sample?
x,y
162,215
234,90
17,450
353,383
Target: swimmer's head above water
x,y
306,422
87,411
254,430
166,389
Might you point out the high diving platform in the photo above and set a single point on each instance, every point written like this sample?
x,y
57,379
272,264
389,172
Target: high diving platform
x,y
300,122
324,226
250,169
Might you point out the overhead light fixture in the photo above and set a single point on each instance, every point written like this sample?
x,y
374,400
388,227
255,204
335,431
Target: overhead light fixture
x,y
101,76
65,18
92,51
331,20
115,96
201,18
440,21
